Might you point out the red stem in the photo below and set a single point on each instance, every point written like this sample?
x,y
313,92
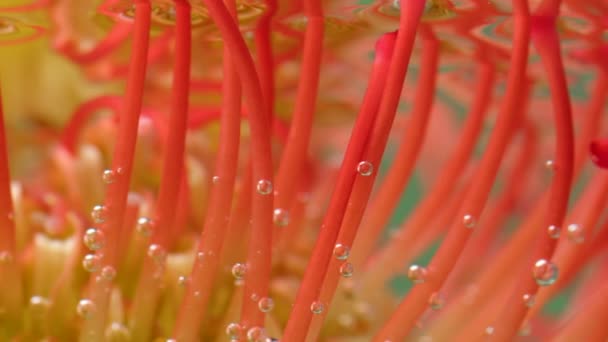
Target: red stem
x,y
204,271
416,302
546,41
260,246
309,292
172,173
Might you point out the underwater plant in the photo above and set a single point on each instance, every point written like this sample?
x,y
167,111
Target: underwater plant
x,y
265,170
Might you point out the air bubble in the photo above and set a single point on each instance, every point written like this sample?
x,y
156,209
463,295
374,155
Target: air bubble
x,y
99,213
264,187
365,168
144,226
417,274
256,334
553,231
108,273
182,280
94,239
341,252
233,330
157,253
39,304
347,269
86,308
215,179
266,304
528,299
280,217
550,165
117,332
575,233
239,270
468,220
317,307
108,176
544,272
91,263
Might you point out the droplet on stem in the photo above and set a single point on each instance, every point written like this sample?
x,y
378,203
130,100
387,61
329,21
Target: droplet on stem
x,y
544,272
317,307
417,274
85,308
239,270
264,187
91,263
94,239
553,231
575,233
468,220
347,269
365,168
99,213
341,252
280,217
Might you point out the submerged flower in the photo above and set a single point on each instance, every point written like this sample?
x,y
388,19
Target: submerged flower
x,y
261,170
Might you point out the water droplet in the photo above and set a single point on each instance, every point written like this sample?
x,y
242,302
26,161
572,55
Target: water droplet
x,y
266,304
117,332
264,187
99,213
468,220
417,274
94,239
280,217
599,152
239,270
317,307
553,231
215,179
157,253
489,330
550,165
39,304
233,330
545,272
200,256
108,176
254,297
436,301
575,233
341,252
365,168
347,269
144,226
6,257
182,280
256,334
108,273
91,263
85,308
528,299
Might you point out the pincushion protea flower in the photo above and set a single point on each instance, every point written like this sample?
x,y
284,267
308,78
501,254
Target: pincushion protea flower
x,y
210,171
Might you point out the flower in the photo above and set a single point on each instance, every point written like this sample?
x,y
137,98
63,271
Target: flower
x,y
207,170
